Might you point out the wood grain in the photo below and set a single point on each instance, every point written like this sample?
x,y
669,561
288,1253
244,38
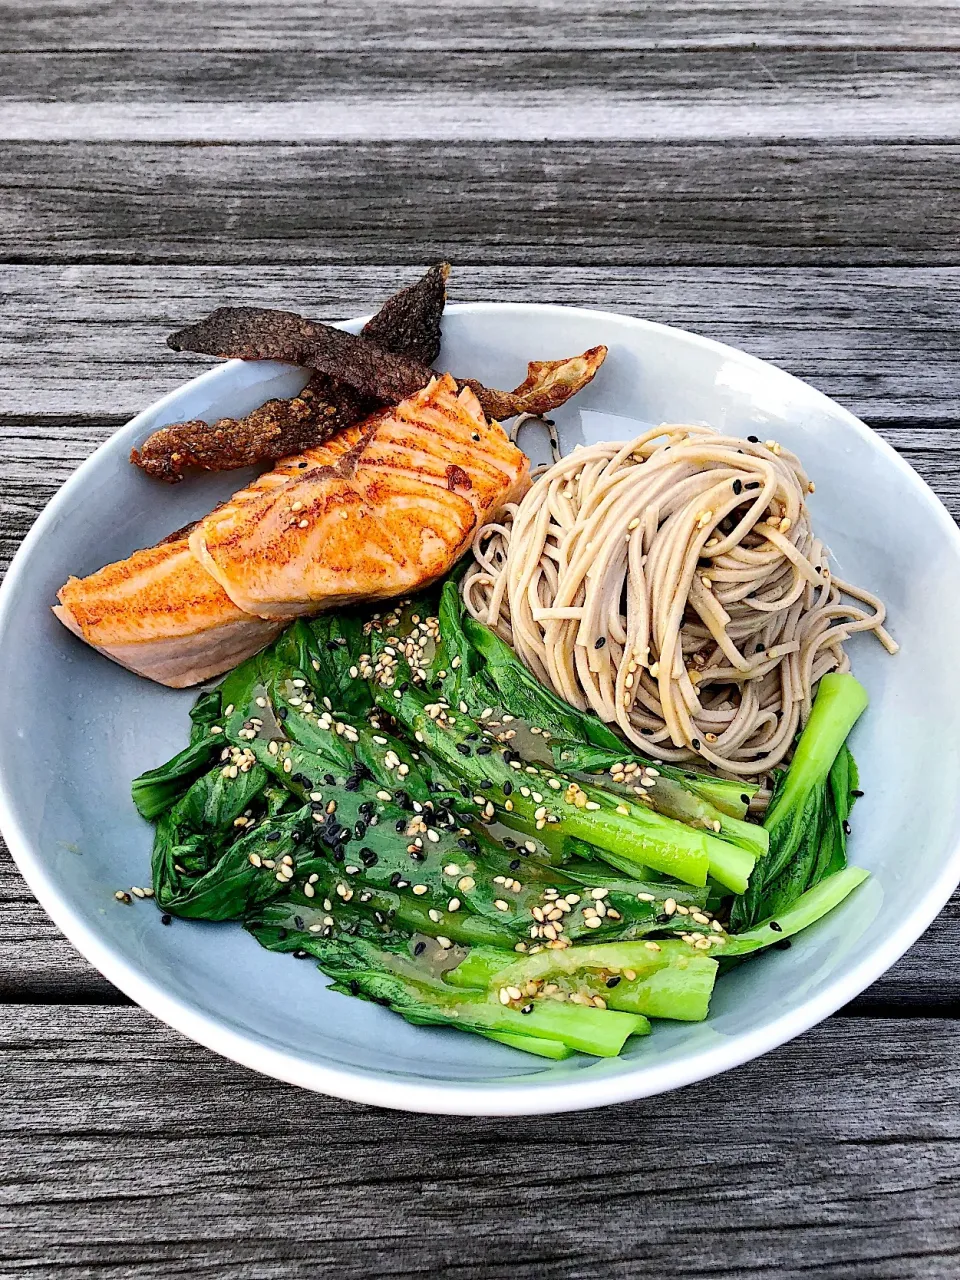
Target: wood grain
x,y
89,341
129,1151
896,78
382,96
298,25
551,203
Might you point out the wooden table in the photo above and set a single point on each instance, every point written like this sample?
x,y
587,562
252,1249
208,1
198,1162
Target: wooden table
x,y
782,176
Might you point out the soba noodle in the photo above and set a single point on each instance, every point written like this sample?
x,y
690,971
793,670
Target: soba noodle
x,y
673,586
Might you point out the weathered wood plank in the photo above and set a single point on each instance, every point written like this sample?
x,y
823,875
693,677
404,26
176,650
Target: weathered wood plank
x,y
37,963
560,203
726,76
379,96
298,25
127,1150
90,340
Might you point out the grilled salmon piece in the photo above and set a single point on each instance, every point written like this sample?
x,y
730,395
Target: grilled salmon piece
x,y
160,614
381,509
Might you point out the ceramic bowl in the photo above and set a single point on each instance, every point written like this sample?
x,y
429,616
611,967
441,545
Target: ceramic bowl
x,y
75,729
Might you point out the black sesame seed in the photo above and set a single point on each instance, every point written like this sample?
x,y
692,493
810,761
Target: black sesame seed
x,y
776,927
507,788
354,987
754,439
298,921
282,713
858,794
329,779
465,791
745,799
695,743
527,1008
463,748
419,949
368,857
402,798
508,843
404,686
417,855
272,836
515,865
352,784
302,779
395,879
485,784
846,827
359,831
166,919
752,484
473,737
484,751
614,981
380,917
332,646
738,487
600,642
401,824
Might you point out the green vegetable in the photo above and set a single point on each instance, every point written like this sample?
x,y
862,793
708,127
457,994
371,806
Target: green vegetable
x,y
396,796
810,805
155,790
675,981
805,911
623,827
360,967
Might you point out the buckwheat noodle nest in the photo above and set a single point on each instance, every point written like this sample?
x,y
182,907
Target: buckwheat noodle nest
x,y
673,586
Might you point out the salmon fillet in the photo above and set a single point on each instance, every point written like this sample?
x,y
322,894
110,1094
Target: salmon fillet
x,y
380,510
160,614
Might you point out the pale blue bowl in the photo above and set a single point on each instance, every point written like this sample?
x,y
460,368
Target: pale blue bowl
x,y
75,729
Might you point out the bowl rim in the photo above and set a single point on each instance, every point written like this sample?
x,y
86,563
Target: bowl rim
x,y
375,1088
